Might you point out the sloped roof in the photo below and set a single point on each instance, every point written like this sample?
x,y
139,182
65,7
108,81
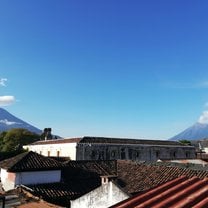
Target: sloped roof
x,y
187,161
29,161
136,177
106,140
62,193
78,178
180,192
20,198
82,168
132,177
109,140
40,204
57,141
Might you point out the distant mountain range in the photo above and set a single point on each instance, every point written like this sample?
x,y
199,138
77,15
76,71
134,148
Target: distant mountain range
x,y
196,132
8,121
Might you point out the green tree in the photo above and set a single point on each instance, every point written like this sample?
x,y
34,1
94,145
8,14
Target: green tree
x,y
14,139
184,141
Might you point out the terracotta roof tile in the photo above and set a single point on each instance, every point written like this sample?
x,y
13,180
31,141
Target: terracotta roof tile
x,y
104,167
135,177
30,161
181,192
90,139
62,193
37,205
57,141
107,140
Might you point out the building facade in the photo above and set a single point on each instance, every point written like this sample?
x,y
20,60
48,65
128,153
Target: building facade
x,y
102,148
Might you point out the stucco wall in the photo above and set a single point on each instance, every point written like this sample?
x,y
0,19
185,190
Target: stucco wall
x,y
54,150
102,197
7,179
133,152
11,180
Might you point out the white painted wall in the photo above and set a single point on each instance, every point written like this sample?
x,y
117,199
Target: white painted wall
x,y
11,180
206,149
3,175
64,149
7,180
102,197
38,177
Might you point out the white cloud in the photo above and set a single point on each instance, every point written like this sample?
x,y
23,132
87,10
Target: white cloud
x,y
5,121
204,117
3,82
7,100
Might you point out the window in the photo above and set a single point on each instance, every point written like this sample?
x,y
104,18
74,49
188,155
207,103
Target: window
x,y
157,154
93,154
130,154
113,153
123,154
58,153
137,154
187,154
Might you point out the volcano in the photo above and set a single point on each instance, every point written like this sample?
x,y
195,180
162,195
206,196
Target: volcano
x,y
9,121
196,132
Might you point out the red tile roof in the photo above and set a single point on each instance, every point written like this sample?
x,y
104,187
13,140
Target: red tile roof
x,y
40,204
182,192
135,177
62,193
57,141
84,168
108,140
30,161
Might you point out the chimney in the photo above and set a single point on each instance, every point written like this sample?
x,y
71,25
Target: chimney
x,y
47,133
107,178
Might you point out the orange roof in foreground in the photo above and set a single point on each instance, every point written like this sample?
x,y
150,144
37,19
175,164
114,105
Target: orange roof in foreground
x,y
182,192
38,205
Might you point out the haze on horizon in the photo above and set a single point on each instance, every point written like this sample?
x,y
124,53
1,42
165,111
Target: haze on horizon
x,y
135,69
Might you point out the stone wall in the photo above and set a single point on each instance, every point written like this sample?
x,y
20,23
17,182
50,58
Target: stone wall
x,y
133,152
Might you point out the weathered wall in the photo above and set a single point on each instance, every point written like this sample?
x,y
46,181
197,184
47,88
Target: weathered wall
x,y
102,197
93,151
133,152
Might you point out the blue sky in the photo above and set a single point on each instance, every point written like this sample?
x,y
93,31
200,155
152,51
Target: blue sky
x,y
118,68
